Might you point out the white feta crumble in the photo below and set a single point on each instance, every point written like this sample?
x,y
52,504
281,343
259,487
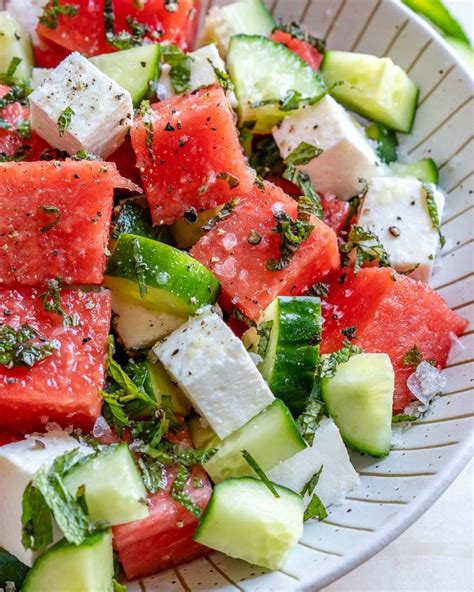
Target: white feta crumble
x,y
100,110
338,476
395,209
216,372
347,160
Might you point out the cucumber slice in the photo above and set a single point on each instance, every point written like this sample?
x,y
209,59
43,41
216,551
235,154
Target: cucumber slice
x,y
257,437
359,398
15,43
160,277
249,17
266,72
11,570
293,351
374,87
156,382
202,437
424,170
244,520
133,218
439,15
386,141
114,489
139,327
186,231
134,69
65,567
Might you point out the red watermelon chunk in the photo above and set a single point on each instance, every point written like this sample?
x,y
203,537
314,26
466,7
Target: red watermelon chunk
x,y
302,48
241,267
335,212
86,32
48,54
54,221
194,147
165,538
63,387
391,313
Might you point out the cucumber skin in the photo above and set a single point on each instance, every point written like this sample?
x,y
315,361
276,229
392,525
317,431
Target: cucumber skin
x,y
386,141
189,285
291,376
135,219
425,170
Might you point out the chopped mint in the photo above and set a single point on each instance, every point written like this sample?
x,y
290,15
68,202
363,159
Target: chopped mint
x,y
49,18
329,363
53,210
261,474
179,494
64,120
433,212
51,299
180,67
292,234
23,346
303,154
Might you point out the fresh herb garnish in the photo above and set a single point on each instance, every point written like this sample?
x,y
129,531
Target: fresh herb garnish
x,y
118,587
410,269
349,333
180,67
311,484
223,213
329,363
297,32
124,39
433,212
303,154
84,155
24,346
49,18
64,120
152,473
222,77
52,210
17,93
367,248
303,182
46,496
231,181
8,77
261,474
23,129
179,494
403,417
315,509
265,158
308,422
17,156
292,234
51,299
292,101
413,357
141,268
320,290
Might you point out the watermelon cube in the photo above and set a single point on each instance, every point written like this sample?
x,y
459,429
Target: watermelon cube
x,y
237,251
165,538
63,387
193,158
391,314
54,220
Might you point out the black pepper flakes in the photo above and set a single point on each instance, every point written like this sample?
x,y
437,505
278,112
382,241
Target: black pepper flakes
x,y
168,127
254,237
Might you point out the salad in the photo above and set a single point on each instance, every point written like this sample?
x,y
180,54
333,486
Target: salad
x,y
214,269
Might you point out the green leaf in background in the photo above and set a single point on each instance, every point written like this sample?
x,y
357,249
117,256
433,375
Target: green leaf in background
x,y
11,570
438,15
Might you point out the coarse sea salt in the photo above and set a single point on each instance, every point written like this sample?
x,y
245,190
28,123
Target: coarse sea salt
x,y
426,382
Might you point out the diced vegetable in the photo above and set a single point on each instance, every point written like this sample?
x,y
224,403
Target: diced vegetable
x,y
246,521
15,44
425,170
374,87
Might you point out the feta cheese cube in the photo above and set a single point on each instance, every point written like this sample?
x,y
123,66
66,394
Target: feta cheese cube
x,y
204,60
27,13
38,76
347,159
19,462
102,109
216,372
338,476
395,209
140,327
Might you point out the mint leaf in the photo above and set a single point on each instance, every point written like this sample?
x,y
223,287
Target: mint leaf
x,y
261,474
303,182
64,120
51,299
179,494
315,509
292,234
24,346
297,32
367,248
433,212
413,357
37,528
180,67
49,18
329,363
54,211
141,267
303,154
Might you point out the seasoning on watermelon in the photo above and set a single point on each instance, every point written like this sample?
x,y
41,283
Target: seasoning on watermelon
x,y
189,155
391,313
248,285
62,387
54,220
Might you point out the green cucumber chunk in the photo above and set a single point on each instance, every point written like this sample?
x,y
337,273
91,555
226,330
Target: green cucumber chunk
x,y
134,69
374,87
66,567
359,399
202,437
257,437
159,277
246,521
293,350
266,75
114,489
186,234
439,15
425,170
152,377
386,141
15,43
11,570
249,17
133,218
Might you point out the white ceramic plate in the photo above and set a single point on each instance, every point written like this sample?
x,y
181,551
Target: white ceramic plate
x,y
393,492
